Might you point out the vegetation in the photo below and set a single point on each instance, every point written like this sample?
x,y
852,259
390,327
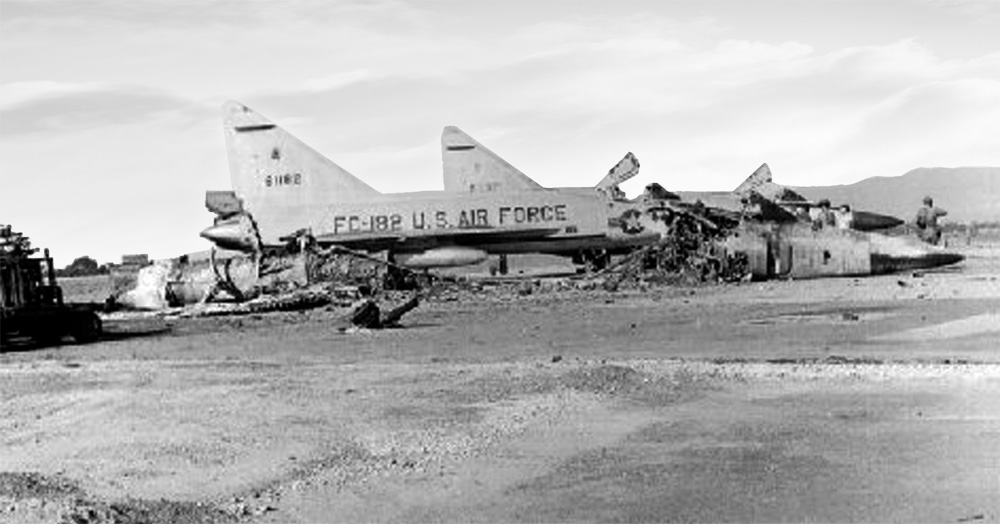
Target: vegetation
x,y
82,267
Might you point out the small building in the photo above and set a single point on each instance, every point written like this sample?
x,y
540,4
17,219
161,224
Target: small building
x,y
135,260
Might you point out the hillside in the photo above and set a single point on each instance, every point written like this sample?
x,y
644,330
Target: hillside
x,y
967,193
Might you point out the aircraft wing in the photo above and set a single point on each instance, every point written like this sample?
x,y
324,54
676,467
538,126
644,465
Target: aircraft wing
x,y
456,236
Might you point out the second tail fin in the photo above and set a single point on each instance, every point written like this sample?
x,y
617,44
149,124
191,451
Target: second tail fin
x,y
470,167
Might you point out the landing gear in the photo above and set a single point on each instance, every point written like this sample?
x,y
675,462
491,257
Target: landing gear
x,y
501,267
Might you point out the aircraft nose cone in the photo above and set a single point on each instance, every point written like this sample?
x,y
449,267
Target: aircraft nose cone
x,y
868,221
229,235
891,254
942,259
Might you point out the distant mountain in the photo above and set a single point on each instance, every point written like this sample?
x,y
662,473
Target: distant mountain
x,y
967,193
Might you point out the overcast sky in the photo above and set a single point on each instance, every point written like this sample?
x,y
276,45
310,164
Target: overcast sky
x,y
110,128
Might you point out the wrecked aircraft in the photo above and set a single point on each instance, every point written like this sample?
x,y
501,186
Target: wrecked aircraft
x,y
188,279
779,203
797,250
780,241
288,200
776,232
284,191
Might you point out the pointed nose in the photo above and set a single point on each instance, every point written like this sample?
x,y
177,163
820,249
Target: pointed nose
x,y
230,235
942,259
893,262
868,221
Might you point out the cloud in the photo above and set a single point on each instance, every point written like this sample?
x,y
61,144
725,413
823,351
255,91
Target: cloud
x,y
559,111
188,14
954,122
979,11
336,80
46,107
14,93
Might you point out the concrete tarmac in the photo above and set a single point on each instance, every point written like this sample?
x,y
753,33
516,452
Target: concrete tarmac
x,y
840,400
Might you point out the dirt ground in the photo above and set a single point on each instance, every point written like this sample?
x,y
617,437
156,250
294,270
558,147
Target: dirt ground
x,y
837,400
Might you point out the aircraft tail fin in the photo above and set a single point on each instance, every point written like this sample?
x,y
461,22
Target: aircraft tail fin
x,y
625,169
753,182
761,182
470,167
270,167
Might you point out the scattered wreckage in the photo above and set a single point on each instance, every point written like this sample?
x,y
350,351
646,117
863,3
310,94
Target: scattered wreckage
x,y
283,190
294,220
238,284
699,244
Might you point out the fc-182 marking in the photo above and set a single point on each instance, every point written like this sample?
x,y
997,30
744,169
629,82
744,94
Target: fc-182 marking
x,y
440,219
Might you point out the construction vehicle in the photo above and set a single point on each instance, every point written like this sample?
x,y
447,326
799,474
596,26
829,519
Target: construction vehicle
x,y
31,303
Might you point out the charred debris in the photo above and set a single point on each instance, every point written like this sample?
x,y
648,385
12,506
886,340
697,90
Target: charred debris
x,y
369,291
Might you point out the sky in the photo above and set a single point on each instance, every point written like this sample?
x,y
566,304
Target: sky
x,y
110,126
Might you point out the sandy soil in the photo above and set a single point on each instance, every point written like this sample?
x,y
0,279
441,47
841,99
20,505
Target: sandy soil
x,y
840,400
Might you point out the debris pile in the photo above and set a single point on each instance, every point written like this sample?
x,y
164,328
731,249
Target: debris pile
x,y
346,283
179,281
690,252
345,268
296,300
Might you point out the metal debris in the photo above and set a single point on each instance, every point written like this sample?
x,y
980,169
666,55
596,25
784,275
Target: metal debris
x,y
690,252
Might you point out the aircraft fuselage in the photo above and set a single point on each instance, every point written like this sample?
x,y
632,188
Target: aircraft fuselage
x,y
512,222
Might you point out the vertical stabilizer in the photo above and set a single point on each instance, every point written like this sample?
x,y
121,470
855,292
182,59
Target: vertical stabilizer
x,y
755,181
470,167
271,168
761,183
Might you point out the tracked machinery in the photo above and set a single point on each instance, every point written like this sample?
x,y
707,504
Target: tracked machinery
x,y
31,303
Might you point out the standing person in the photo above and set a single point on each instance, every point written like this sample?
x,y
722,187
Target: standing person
x,y
845,218
927,221
823,216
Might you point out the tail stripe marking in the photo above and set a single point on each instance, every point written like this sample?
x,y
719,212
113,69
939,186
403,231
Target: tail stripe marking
x,y
258,127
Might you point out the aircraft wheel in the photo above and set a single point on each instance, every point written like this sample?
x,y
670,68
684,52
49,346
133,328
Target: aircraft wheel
x,y
504,266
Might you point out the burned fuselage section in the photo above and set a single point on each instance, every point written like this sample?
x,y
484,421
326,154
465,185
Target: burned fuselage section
x,y
800,250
